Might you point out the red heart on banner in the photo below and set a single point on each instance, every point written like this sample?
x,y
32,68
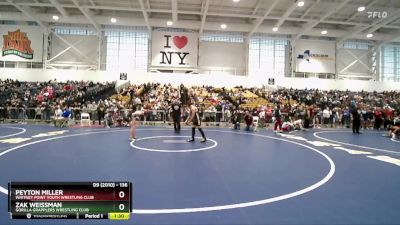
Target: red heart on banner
x,y
180,41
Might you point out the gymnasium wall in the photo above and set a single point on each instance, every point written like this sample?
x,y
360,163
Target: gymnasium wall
x,y
346,56
231,56
327,84
60,75
196,79
87,46
314,56
27,41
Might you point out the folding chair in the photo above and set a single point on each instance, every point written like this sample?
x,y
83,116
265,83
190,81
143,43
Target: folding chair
x,y
85,119
255,123
38,113
67,122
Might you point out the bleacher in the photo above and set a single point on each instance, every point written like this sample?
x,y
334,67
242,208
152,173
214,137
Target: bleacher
x,y
15,105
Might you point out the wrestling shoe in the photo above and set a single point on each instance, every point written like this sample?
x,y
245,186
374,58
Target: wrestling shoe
x,y
133,139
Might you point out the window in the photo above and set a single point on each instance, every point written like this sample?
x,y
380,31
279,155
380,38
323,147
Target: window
x,y
390,63
218,36
267,56
127,49
73,29
356,44
170,29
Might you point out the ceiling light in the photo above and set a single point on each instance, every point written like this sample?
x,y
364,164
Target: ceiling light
x,y
55,17
300,3
370,35
223,26
361,8
324,32
275,29
236,0
169,23
113,20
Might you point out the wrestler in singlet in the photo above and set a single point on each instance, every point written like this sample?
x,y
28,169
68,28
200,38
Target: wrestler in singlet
x,y
195,120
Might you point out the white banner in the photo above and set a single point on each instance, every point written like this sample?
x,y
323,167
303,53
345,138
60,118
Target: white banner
x,y
314,56
174,49
21,43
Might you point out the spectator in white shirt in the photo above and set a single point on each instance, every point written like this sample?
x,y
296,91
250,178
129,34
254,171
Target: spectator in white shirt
x,y
326,115
57,115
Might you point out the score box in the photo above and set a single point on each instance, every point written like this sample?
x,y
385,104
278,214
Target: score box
x,y
69,200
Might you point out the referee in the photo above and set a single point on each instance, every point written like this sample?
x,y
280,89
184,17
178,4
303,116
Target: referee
x,y
176,108
356,113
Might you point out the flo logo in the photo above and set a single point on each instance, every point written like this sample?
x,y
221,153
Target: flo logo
x,y
377,14
17,43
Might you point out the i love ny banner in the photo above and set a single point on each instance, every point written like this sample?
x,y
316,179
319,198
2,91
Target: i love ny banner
x,y
174,49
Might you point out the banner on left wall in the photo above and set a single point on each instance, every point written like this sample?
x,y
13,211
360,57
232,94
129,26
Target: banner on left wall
x,y
21,43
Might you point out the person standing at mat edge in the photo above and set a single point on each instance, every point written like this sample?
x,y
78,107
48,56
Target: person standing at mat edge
x,y
278,118
176,114
194,118
356,114
133,125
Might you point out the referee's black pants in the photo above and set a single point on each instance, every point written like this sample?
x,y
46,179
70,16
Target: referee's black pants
x,y
177,125
356,126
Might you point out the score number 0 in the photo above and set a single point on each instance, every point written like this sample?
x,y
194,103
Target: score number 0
x,y
121,194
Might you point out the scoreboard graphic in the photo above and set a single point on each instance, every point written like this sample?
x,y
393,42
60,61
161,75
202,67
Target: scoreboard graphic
x,y
70,200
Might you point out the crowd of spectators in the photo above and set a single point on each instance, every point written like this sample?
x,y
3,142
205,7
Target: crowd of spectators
x,y
314,108
40,100
334,108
